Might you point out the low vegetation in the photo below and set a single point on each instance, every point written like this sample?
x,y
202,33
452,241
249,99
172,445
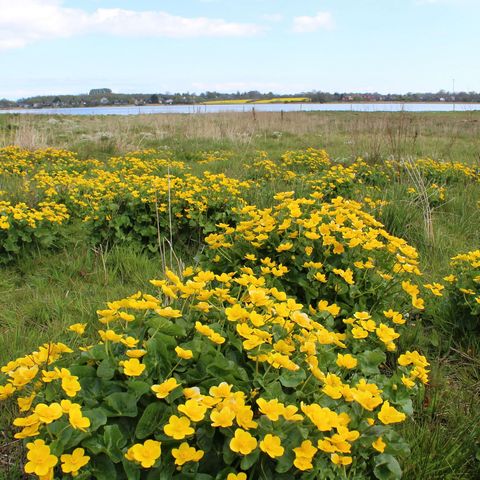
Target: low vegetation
x,y
222,308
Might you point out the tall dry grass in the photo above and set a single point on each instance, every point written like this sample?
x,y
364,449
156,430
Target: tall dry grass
x,y
448,136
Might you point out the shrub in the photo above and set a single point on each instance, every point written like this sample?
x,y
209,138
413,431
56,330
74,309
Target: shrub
x,y
464,287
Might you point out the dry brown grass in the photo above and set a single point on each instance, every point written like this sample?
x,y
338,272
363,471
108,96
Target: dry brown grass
x,y
449,136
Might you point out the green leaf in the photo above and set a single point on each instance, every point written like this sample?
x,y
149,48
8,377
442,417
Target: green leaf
x,y
204,437
114,440
370,360
167,327
138,388
123,404
132,471
292,379
250,459
285,462
150,419
103,468
97,416
106,369
387,467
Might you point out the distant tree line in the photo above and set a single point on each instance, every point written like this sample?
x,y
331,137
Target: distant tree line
x,y
104,96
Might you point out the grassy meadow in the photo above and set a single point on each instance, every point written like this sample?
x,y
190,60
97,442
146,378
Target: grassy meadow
x,y
143,195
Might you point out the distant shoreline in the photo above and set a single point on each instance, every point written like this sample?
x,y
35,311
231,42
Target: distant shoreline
x,y
382,102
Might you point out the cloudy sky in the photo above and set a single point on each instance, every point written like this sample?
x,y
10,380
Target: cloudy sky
x,y
71,46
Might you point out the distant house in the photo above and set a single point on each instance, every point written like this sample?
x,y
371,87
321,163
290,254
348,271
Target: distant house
x,y
100,91
104,101
169,101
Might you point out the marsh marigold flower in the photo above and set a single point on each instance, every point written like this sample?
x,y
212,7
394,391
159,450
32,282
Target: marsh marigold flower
x,y
72,463
133,367
243,442
185,453
40,459
78,328
271,445
237,476
379,445
390,414
193,410
182,353
178,427
163,389
145,454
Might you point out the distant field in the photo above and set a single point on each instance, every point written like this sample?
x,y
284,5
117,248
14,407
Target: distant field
x,y
253,101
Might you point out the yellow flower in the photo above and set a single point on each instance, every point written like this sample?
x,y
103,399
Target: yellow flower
x,y
129,342
72,463
185,453
6,391
408,382
236,313
386,334
217,338
390,414
271,445
136,353
304,455
347,275
133,367
78,328
164,389
48,413
110,336
145,454
70,385
272,409
40,459
24,403
185,354
379,445
359,333
284,247
347,361
341,460
243,442
169,312
222,418
418,303
366,399
76,419
237,476
222,390
362,315
244,418
320,277
193,409
178,427
290,414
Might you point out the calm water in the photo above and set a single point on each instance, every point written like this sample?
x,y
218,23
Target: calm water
x,y
272,107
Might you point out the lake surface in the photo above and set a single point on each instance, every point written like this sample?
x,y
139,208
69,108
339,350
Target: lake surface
x,y
269,107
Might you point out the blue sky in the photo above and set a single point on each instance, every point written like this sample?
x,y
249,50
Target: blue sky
x,y
285,46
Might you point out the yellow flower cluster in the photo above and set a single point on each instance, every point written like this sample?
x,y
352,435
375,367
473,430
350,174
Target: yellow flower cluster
x,y
20,214
464,283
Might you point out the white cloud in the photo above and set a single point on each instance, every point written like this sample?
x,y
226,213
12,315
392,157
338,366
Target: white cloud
x,y
26,21
305,24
